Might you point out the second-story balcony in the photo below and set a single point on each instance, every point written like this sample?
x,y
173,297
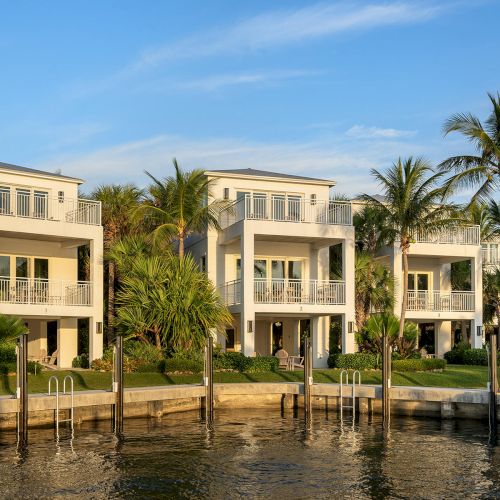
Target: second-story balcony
x,y
37,291
288,291
286,208
432,301
458,235
37,204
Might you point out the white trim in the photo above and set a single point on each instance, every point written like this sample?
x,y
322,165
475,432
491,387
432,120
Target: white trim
x,y
315,182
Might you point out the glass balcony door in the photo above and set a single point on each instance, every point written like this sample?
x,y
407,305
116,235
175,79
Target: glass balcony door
x,y
23,202
40,204
5,200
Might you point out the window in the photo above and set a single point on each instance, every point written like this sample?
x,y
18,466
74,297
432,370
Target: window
x,y
278,206
42,269
260,268
242,204
313,199
4,200
238,269
230,338
259,205
40,204
419,281
226,193
23,202
21,267
278,269
4,266
295,269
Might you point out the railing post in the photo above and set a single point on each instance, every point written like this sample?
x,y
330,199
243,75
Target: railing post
x,y
118,386
386,382
493,385
308,378
22,390
208,379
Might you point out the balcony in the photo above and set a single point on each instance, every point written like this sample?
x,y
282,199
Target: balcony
x,y
441,302
36,291
286,209
490,256
288,291
460,235
35,204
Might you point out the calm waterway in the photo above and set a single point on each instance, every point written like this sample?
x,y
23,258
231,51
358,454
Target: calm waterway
x,y
256,454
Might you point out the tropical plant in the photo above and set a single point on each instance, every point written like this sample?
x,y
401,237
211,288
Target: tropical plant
x,y
168,301
411,206
491,295
482,170
119,204
181,205
374,286
378,325
11,327
369,226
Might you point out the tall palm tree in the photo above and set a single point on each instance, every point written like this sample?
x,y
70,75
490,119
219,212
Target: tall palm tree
x,y
181,205
411,206
481,171
491,295
11,327
369,227
119,205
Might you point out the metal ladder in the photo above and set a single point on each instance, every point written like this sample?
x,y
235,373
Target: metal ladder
x,y
353,393
71,418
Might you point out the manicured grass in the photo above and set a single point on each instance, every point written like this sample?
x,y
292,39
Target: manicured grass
x,y
453,376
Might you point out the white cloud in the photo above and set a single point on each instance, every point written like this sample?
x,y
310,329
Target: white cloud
x,y
338,157
363,132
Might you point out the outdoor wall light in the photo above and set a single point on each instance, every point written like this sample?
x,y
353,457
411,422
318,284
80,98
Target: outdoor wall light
x,y
479,330
249,326
98,327
60,196
350,326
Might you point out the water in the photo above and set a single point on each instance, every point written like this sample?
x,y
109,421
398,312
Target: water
x,y
256,454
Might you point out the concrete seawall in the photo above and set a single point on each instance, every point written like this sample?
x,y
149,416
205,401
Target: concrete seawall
x,y
158,401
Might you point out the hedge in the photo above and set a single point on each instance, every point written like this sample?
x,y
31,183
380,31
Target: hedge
x,y
468,357
6,368
355,361
418,365
7,352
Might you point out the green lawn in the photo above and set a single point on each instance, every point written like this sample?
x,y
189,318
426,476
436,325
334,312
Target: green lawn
x,y
452,376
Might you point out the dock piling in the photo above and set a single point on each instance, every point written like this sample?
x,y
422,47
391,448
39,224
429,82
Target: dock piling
x,y
118,386
493,385
308,378
22,390
208,379
386,382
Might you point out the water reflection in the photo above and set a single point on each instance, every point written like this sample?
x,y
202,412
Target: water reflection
x,y
256,454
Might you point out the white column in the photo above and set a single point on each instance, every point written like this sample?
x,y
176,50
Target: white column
x,y
319,338
348,269
67,341
442,337
247,292
477,286
96,316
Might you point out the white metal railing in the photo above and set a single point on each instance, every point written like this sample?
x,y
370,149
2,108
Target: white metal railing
x,y
440,301
490,256
38,205
45,291
286,209
288,291
459,235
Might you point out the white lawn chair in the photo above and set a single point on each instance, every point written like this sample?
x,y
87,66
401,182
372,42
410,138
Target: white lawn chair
x,y
282,356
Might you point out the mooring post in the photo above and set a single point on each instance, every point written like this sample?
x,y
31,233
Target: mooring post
x,y
22,389
208,379
493,384
308,378
386,382
118,386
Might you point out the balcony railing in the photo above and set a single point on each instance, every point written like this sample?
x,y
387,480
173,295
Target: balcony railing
x,y
460,235
286,209
45,292
490,257
288,291
38,205
441,302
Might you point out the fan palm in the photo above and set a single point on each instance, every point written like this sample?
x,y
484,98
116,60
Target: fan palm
x,y
180,205
411,206
11,328
119,205
482,170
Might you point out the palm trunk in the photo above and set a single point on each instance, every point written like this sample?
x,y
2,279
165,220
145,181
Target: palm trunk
x,y
158,340
404,301
181,247
111,301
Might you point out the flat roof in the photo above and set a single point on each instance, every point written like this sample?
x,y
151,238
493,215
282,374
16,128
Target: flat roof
x,y
26,170
251,172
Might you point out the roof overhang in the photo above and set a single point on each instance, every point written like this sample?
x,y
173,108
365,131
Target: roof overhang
x,y
285,180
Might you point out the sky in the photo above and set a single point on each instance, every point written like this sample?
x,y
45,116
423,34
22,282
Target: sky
x,y
106,90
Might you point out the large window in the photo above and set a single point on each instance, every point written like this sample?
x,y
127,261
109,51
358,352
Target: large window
x,y
419,282
4,200
5,266
23,202
274,268
21,267
42,269
40,202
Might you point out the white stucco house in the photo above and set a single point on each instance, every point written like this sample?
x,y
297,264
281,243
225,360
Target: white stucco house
x,y
271,261
42,224
438,310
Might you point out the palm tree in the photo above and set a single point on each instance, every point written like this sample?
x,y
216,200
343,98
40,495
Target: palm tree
x,y
411,206
369,225
491,295
481,171
119,205
11,327
179,205
374,285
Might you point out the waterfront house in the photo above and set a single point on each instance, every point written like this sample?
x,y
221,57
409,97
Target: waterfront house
x,y
271,261
42,224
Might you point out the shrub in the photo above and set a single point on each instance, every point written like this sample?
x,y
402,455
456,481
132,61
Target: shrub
x,y
148,368
229,361
418,365
180,364
144,353
102,365
7,352
261,364
81,361
355,361
475,357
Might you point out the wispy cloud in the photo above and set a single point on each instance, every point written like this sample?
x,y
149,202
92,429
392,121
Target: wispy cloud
x,y
284,27
363,132
338,157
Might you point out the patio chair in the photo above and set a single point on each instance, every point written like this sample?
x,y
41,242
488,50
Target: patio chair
x,y
51,361
295,362
282,356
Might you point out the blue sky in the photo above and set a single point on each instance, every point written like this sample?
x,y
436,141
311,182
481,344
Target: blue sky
x,y
104,90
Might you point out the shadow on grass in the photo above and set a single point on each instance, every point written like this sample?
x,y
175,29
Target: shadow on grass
x,y
77,377
6,384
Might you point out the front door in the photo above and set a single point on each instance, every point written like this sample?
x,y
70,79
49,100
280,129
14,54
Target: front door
x,y
51,337
277,336
426,338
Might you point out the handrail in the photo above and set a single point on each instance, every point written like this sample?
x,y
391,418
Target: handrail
x,y
459,301
455,235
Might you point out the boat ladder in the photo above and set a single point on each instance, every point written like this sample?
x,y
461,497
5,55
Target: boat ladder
x,y
56,394
356,380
